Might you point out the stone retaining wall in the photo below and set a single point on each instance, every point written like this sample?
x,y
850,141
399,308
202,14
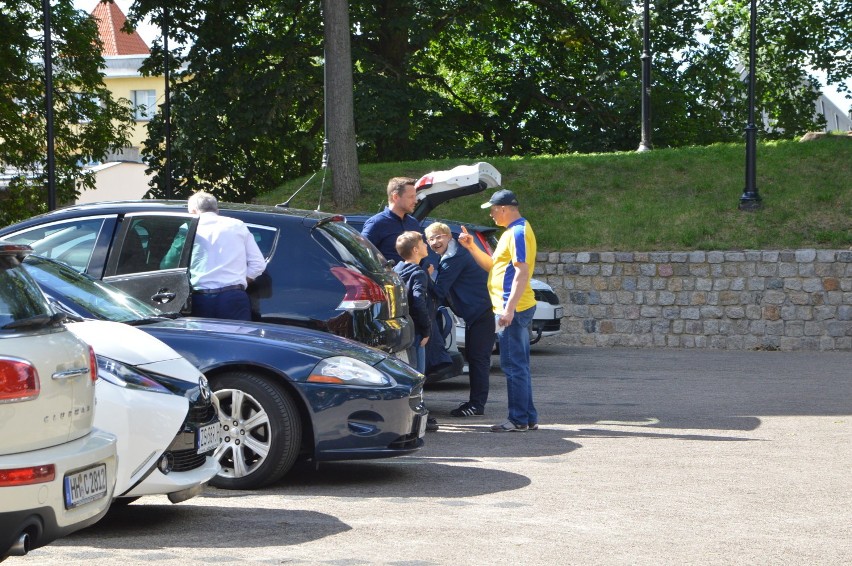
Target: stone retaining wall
x,y
739,300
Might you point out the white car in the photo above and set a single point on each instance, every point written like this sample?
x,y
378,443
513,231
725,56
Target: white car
x,y
57,472
547,320
160,408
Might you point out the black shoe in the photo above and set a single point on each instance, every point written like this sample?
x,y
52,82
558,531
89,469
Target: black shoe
x,y
467,410
431,424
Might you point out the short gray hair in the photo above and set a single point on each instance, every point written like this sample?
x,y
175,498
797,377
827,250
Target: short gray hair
x,y
202,202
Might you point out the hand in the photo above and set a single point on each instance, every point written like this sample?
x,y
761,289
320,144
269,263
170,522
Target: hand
x,y
465,238
431,270
505,319
424,341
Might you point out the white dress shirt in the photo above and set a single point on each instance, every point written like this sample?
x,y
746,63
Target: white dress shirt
x,y
224,253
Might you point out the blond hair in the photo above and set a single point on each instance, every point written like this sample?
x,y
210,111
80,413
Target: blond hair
x,y
438,228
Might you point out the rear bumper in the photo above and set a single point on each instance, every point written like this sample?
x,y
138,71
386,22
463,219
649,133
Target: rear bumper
x,y
39,509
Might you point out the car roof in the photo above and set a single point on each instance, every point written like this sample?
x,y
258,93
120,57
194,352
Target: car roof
x,y
153,205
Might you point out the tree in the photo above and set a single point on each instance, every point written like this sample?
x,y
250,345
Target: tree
x,y
340,120
88,123
246,96
453,78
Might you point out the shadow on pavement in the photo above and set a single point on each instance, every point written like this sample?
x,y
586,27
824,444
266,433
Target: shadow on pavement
x,y
397,477
187,525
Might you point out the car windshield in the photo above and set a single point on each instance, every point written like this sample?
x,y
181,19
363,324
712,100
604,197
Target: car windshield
x,y
20,298
100,299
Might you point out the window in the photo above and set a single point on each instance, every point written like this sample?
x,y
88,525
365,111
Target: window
x,y
71,242
153,243
144,104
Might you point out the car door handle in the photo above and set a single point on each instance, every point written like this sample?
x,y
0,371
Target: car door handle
x,y
68,374
163,296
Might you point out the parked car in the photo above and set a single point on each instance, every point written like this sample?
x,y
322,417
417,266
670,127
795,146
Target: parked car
x,y
321,273
284,392
159,407
57,472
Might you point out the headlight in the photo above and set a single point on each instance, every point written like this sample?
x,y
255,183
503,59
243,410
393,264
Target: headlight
x,y
347,371
124,375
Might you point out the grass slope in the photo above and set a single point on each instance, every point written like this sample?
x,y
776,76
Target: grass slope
x,y
667,199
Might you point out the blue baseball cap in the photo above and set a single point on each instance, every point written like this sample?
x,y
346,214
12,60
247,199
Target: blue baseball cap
x,y
503,197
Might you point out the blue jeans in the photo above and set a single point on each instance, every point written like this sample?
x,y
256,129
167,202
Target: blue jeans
x,y
417,353
515,361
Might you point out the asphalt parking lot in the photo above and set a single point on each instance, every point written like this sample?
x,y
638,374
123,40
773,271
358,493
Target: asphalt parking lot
x,y
643,457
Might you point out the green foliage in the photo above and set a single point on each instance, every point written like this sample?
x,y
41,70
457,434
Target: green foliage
x,y
441,78
669,199
247,105
87,121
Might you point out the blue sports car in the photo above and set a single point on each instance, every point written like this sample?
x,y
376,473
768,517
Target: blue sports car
x,y
284,392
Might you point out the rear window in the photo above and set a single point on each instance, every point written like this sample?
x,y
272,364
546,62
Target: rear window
x,y
20,297
350,246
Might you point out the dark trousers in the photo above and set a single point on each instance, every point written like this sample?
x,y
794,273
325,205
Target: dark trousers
x,y
233,305
478,345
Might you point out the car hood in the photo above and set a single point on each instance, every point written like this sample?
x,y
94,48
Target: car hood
x,y
314,343
133,347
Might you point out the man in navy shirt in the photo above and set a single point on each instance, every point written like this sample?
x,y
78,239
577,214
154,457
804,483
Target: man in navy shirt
x,y
384,228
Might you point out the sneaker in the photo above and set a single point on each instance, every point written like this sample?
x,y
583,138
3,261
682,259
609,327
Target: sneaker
x,y
509,426
533,426
466,410
431,424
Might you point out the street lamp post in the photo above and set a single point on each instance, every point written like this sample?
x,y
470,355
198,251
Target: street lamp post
x,y
750,199
48,89
645,144
167,106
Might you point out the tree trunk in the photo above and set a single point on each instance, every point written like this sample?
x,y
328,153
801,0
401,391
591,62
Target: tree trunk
x,y
339,106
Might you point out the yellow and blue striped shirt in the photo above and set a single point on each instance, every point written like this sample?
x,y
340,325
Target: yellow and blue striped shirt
x,y
517,244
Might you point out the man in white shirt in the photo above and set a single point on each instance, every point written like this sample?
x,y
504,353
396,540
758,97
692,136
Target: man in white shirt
x,y
225,259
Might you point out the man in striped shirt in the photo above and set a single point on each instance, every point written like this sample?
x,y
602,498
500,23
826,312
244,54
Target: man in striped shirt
x,y
512,299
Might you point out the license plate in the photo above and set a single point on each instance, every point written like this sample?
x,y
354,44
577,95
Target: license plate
x,y
208,437
422,431
85,486
557,312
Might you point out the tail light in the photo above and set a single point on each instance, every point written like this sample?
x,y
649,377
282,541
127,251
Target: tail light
x,y
18,380
93,365
361,291
27,476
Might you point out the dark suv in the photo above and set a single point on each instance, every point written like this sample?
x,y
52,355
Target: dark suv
x,y
321,273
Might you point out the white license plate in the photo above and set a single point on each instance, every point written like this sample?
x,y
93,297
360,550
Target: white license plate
x,y
208,437
85,486
557,312
422,432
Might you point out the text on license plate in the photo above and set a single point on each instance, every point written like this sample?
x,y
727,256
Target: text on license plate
x,y
557,312
85,486
208,437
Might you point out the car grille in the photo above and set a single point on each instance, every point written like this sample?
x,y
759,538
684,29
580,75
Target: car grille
x,y
546,296
552,325
185,460
201,414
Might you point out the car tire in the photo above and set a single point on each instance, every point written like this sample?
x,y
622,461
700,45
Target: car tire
x,y
261,436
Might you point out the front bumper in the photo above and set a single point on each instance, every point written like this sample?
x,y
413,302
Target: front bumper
x,y
354,423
